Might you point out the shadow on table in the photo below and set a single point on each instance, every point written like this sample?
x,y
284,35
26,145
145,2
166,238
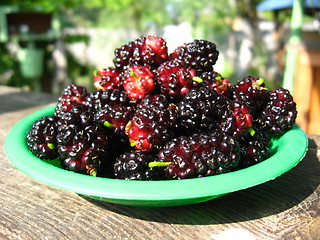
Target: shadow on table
x,y
261,201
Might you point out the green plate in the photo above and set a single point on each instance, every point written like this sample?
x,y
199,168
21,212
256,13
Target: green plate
x,y
286,151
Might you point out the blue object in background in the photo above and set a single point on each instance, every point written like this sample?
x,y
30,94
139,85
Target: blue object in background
x,y
281,4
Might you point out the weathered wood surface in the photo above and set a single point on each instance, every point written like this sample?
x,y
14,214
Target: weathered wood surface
x,y
285,208
308,100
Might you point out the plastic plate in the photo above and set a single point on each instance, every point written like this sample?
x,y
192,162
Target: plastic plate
x,y
286,152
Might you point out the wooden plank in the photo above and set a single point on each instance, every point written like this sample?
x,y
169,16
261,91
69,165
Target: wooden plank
x,y
285,208
302,90
307,90
309,57
314,115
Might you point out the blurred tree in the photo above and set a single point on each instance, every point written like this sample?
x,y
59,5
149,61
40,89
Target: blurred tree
x,y
247,9
215,16
212,20
140,14
132,14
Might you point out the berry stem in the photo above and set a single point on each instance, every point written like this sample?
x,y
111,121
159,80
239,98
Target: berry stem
x,y
93,172
158,164
132,142
132,74
108,125
97,73
251,131
51,146
260,81
197,79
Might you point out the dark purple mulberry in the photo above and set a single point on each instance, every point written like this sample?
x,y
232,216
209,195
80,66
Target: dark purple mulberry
x,y
41,138
134,165
152,124
280,113
200,155
254,148
200,55
201,108
251,92
145,50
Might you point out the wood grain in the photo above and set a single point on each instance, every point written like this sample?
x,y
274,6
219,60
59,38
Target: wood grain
x,y
314,114
307,90
302,89
285,208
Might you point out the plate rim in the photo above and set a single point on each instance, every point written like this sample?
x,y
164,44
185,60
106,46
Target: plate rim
x,y
144,191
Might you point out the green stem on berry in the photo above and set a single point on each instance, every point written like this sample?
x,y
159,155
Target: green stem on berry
x,y
51,146
132,143
158,164
108,125
96,73
251,131
197,79
218,78
132,73
93,172
260,81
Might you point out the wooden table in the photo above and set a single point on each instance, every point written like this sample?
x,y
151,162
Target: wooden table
x,y
285,208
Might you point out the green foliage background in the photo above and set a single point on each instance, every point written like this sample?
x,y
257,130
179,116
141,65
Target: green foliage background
x,y
209,19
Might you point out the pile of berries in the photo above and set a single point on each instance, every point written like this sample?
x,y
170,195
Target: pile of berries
x,y
157,116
